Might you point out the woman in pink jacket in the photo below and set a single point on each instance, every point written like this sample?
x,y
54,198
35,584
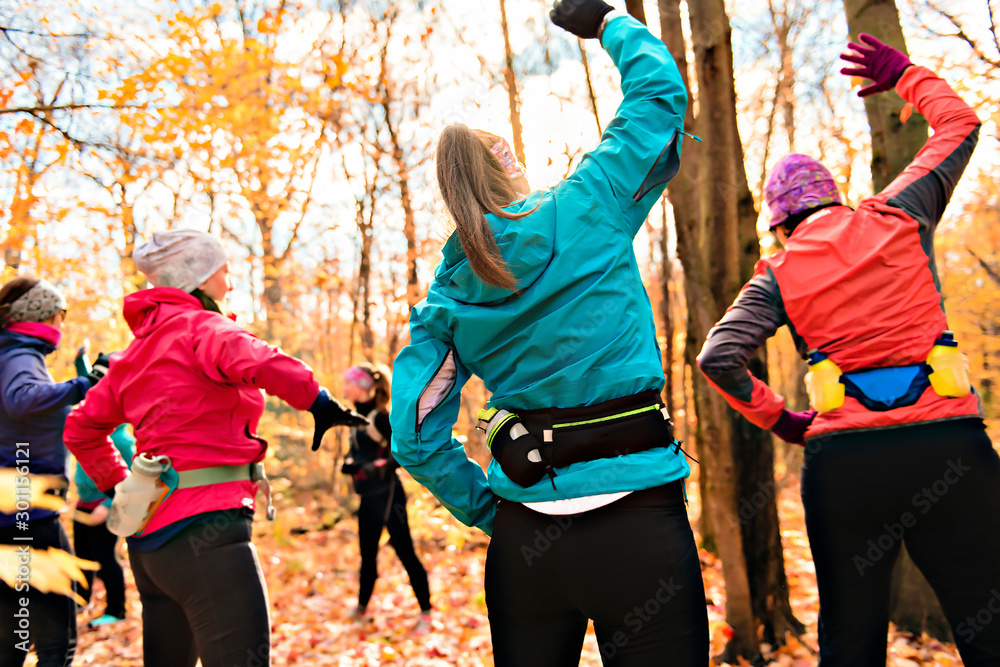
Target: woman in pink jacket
x,y
190,384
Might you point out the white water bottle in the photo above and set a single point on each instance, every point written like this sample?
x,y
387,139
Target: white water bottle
x,y
138,495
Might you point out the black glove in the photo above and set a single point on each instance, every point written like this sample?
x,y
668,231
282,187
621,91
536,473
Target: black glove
x,y
328,412
581,17
99,369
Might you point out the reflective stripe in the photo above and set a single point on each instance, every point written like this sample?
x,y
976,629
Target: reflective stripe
x,y
438,388
610,417
496,427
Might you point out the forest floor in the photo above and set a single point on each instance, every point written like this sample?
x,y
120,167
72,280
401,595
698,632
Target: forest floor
x,y
312,583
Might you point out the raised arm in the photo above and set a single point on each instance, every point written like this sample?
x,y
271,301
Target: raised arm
x,y
427,383
226,352
926,185
640,149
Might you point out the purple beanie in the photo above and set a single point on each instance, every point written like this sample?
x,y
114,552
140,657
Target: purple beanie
x,y
798,183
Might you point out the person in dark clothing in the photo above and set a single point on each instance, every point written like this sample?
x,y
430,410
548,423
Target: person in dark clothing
x,y
33,410
383,500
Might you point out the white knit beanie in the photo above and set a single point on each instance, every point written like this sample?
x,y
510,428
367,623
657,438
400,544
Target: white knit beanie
x,y
182,258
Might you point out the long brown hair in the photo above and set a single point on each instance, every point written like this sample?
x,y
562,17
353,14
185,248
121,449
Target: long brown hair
x,y
207,302
474,183
11,292
383,381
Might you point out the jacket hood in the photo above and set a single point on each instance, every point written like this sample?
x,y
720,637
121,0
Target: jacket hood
x,y
527,245
148,309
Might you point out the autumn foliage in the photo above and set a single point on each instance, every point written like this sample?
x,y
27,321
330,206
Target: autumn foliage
x,y
302,134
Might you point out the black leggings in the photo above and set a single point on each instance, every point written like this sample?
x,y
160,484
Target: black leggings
x,y
203,595
388,509
97,543
51,618
631,566
935,487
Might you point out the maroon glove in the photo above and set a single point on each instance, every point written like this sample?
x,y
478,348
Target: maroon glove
x,y
877,61
791,426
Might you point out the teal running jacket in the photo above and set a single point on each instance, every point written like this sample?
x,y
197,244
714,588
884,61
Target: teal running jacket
x,y
579,330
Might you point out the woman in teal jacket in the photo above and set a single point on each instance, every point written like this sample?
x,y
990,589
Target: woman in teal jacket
x,y
539,294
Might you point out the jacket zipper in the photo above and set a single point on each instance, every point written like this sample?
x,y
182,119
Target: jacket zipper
x,y
418,424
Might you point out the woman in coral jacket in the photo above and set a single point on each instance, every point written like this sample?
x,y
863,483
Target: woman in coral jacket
x,y
896,462
539,294
190,384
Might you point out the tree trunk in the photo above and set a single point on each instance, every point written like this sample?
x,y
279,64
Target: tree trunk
x,y
715,219
786,84
685,199
720,220
635,8
754,450
590,85
511,79
894,145
274,305
363,294
402,176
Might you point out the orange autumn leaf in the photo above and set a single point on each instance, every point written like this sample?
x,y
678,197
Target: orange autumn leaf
x,y
906,112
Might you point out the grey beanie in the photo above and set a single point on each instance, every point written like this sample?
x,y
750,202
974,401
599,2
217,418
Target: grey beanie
x,y
37,304
182,258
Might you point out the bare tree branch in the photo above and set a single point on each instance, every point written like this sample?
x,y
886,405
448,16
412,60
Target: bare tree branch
x,y
990,270
46,108
961,34
590,85
8,29
77,143
305,205
993,25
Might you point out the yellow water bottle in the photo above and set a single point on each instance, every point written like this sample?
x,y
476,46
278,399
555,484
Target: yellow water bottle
x,y
950,376
826,391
